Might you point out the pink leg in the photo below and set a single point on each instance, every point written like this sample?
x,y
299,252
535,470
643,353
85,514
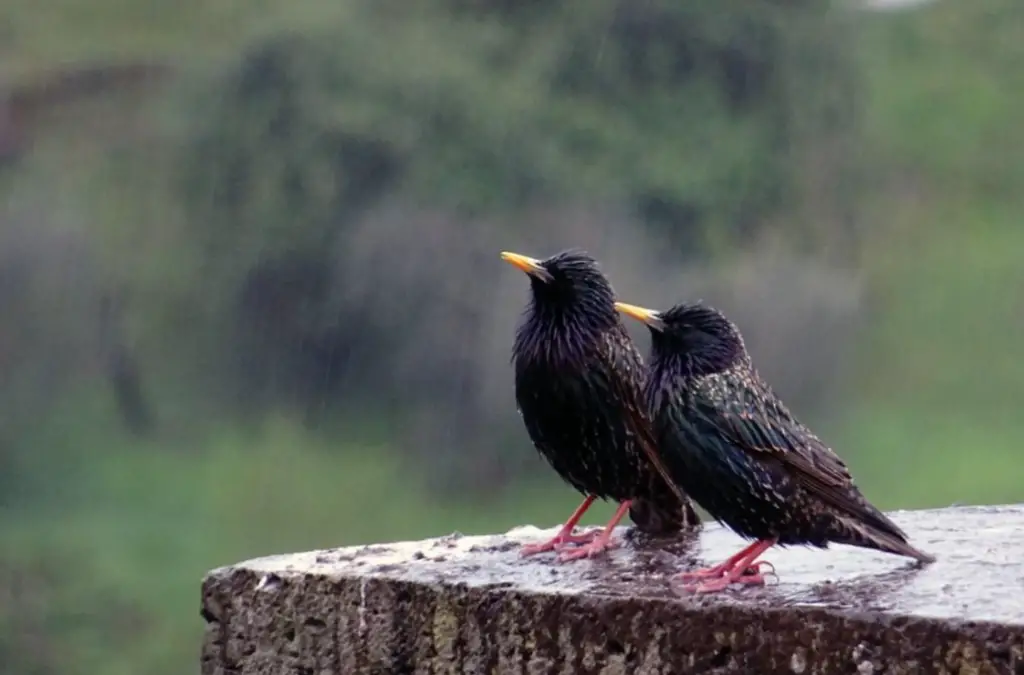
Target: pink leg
x,y
739,569
565,535
719,569
603,542
723,567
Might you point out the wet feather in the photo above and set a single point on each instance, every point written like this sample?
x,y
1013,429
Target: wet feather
x,y
578,387
730,442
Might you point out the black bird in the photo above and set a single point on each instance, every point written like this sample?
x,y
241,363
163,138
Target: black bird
x,y
728,440
578,385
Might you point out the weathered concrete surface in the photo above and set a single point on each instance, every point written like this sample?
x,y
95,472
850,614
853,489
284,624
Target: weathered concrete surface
x,y
471,605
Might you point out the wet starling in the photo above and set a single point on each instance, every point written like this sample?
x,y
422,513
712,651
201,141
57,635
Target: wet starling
x,y
578,383
728,440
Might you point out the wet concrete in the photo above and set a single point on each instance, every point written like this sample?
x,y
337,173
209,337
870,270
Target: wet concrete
x,y
471,604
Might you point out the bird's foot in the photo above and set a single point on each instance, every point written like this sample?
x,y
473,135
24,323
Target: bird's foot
x,y
559,541
721,570
596,547
721,583
754,569
751,575
742,568
706,573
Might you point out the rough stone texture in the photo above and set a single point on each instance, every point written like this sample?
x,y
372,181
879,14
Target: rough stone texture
x,y
471,605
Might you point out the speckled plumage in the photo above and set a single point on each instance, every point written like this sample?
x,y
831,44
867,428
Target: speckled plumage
x,y
729,441
578,387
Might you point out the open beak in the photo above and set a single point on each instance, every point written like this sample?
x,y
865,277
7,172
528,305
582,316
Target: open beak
x,y
648,316
527,264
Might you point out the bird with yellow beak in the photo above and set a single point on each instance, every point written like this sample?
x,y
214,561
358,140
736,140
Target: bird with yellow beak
x,y
729,441
578,380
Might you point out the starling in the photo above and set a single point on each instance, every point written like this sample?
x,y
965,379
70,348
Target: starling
x,y
728,440
578,385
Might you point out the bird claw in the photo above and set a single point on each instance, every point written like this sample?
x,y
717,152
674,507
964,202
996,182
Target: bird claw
x,y
718,570
721,583
559,541
719,579
706,573
755,569
589,550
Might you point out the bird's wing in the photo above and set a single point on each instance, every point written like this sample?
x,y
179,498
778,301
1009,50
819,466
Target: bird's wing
x,y
630,365
767,431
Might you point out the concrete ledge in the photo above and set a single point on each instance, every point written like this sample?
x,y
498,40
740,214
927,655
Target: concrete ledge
x,y
471,605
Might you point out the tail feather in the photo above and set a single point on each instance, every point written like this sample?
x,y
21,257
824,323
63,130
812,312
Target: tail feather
x,y
867,536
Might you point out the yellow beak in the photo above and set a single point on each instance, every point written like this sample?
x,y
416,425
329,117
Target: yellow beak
x,y
531,266
648,316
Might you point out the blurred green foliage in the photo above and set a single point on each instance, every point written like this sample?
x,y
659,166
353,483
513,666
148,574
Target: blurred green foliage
x,y
885,143
694,119
689,114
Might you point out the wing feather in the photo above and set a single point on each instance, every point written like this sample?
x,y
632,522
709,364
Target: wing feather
x,y
631,364
769,433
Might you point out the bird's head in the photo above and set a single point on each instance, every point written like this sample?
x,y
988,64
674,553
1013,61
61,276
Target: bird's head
x,y
569,282
698,337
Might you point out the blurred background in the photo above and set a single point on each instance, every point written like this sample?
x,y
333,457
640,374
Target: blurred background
x,y
251,299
